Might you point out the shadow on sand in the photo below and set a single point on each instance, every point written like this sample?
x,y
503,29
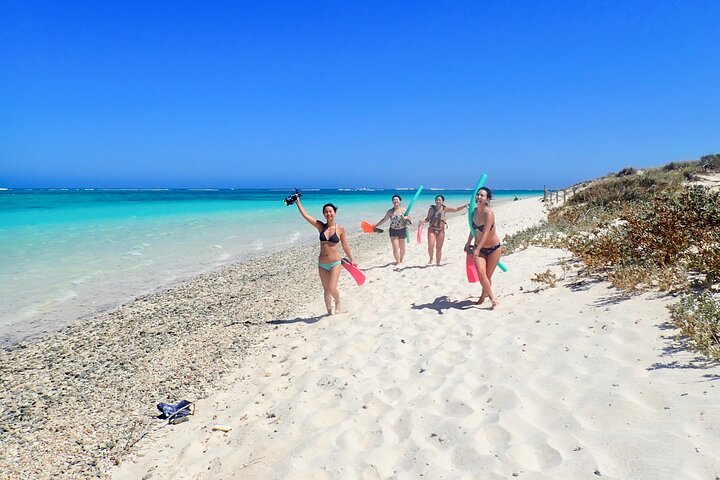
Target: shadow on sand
x,y
413,267
679,344
309,321
391,264
440,304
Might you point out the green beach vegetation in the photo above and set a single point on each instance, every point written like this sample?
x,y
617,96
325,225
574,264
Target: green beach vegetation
x,y
650,229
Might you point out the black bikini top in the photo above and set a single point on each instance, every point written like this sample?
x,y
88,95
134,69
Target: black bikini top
x,y
333,238
482,227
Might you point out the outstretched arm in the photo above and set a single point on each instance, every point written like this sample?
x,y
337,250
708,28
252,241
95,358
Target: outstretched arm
x,y
346,248
457,209
387,215
311,220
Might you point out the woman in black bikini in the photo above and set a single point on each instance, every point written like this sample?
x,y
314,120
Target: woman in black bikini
x,y
487,248
436,227
329,260
398,228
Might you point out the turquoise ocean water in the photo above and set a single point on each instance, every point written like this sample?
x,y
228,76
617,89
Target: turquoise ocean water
x,y
66,254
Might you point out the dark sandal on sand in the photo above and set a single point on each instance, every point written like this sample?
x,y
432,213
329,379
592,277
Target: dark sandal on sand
x,y
173,413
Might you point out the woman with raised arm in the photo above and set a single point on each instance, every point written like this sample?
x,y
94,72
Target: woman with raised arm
x,y
436,227
398,228
329,262
487,248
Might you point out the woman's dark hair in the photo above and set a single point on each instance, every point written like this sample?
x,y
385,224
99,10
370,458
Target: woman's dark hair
x,y
329,205
398,197
487,190
440,197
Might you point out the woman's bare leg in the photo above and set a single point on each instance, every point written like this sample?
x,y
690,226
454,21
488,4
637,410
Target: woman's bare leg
x,y
396,249
326,280
439,245
492,261
334,292
481,265
431,245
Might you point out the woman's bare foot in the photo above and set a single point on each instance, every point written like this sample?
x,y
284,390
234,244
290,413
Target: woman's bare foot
x,y
337,308
330,312
494,304
481,299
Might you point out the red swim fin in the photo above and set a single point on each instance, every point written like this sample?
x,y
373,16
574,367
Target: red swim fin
x,y
367,227
470,270
354,271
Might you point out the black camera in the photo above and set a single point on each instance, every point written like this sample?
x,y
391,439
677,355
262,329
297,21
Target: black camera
x,y
290,199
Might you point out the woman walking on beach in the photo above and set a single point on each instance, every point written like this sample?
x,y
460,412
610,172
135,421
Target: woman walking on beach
x,y
331,234
487,248
436,227
398,228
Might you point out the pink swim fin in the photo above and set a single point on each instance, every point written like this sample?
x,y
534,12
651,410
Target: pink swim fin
x,y
470,270
419,236
354,271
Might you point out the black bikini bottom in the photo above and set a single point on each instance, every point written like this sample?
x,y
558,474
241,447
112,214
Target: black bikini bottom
x,y
488,251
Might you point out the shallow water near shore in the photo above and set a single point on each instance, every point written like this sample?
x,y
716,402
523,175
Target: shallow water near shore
x,y
73,252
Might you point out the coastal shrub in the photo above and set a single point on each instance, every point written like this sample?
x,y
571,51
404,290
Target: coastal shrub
x,y
655,242
634,279
643,230
710,162
580,217
626,171
545,235
600,247
547,277
697,316
613,193
629,278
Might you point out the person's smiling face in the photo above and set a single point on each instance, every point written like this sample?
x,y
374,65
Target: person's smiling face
x,y
329,213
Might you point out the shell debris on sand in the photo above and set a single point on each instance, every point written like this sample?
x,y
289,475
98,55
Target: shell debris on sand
x,y
74,403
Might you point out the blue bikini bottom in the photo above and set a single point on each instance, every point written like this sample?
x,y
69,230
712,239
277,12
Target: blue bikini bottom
x,y
329,266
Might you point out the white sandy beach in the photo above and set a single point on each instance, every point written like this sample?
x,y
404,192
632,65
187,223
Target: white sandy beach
x,y
415,381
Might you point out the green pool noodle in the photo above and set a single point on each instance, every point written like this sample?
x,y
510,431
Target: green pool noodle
x,y
407,211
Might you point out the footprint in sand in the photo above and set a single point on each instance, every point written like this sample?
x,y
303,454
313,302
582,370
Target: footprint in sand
x,y
328,417
535,457
457,409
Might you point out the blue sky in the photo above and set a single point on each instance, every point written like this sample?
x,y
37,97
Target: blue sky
x,y
368,93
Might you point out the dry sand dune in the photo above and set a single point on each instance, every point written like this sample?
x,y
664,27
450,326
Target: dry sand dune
x,y
416,381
